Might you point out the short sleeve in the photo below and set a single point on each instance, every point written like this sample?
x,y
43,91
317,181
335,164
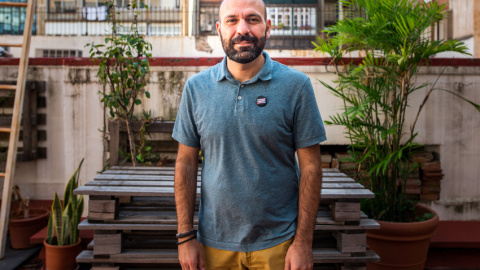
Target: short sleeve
x,y
308,127
185,128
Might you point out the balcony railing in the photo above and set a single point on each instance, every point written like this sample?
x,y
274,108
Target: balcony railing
x,y
95,21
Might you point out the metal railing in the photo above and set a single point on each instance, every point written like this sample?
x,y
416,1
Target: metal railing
x,y
96,22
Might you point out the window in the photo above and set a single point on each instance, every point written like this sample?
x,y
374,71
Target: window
x,y
208,19
61,53
296,21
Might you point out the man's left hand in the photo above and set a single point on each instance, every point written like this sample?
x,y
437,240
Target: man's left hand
x,y
299,257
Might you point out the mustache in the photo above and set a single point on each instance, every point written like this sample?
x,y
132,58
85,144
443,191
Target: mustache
x,y
241,38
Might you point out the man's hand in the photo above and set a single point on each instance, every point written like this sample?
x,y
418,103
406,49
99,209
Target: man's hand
x,y
299,257
190,255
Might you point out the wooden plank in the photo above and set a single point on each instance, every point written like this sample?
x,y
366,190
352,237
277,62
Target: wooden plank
x,y
105,267
170,256
141,168
114,130
168,191
7,86
351,243
353,267
101,216
334,174
103,206
169,175
17,117
364,224
12,4
29,132
322,224
126,191
135,177
171,183
107,243
346,194
346,211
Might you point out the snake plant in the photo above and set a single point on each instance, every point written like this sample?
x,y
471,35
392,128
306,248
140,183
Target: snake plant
x,y
65,216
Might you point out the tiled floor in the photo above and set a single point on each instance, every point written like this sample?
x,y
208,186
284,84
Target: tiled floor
x,y
15,258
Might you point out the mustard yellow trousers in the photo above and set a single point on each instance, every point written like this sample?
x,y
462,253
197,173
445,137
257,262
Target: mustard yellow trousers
x,y
266,259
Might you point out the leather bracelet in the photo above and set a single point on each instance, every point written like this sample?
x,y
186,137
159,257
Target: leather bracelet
x,y
184,241
184,234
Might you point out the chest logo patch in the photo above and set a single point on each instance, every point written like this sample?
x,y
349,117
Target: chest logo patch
x,y
261,101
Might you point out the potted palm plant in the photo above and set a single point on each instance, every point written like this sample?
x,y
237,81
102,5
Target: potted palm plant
x,y
24,221
375,92
63,242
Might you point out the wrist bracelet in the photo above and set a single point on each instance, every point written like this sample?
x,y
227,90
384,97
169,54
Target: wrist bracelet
x,y
184,241
184,234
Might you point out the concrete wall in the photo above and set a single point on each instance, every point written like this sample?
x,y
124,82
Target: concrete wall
x,y
75,116
462,12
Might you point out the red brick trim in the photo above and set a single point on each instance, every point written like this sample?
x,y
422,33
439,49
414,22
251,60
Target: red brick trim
x,y
457,234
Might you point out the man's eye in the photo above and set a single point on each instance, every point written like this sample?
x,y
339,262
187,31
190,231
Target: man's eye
x,y
231,20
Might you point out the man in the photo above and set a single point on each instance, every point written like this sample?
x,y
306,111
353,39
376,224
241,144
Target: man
x,y
248,115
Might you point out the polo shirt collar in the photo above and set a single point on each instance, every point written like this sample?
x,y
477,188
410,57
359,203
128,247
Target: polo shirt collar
x,y
264,74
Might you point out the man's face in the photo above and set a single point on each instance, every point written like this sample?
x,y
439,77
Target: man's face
x,y
243,29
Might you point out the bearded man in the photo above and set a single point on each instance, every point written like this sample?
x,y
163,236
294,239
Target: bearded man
x,y
248,115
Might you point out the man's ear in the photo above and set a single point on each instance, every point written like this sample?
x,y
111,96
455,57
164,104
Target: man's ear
x,y
269,27
218,25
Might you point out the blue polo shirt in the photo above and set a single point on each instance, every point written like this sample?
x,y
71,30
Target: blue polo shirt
x,y
250,176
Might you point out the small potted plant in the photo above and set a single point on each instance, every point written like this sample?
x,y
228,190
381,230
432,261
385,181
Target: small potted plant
x,y
63,242
24,221
124,69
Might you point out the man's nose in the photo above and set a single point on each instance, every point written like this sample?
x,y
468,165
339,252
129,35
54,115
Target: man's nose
x,y
242,27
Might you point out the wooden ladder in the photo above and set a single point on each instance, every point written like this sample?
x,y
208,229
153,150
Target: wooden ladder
x,y
14,129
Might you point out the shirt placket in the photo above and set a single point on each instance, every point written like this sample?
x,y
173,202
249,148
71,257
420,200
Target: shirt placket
x,y
240,97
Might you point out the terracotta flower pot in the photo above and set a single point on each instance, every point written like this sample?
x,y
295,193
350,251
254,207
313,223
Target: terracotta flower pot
x,y
22,229
61,257
402,245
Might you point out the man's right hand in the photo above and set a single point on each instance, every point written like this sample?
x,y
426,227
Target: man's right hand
x,y
190,255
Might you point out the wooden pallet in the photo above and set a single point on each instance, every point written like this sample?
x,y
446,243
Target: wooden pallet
x,y
132,211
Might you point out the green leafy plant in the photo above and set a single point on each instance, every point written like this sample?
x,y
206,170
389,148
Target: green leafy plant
x,y
375,93
123,69
66,215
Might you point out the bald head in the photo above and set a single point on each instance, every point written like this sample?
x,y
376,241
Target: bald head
x,y
224,7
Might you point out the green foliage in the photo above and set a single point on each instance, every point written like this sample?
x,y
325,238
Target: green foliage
x,y
392,35
65,216
123,68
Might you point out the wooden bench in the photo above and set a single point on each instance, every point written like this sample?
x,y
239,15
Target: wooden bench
x,y
132,211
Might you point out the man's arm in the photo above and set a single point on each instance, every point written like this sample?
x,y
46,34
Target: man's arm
x,y
299,255
186,167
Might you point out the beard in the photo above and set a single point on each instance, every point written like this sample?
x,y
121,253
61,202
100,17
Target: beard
x,y
245,54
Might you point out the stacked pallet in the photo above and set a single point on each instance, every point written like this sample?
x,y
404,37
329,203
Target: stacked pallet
x,y
431,175
132,212
343,161
431,179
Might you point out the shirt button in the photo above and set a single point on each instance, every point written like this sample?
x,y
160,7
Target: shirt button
x,y
239,97
242,85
